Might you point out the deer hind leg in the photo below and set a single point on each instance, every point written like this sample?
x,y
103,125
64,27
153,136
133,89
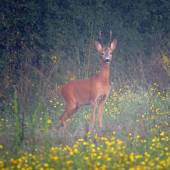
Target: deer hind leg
x,y
93,109
100,110
71,108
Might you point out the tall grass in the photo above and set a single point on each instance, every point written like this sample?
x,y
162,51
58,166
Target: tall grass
x,y
135,134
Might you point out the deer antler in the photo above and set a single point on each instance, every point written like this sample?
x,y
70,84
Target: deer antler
x,y
110,38
101,39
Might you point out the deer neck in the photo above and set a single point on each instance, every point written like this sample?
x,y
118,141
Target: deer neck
x,y
104,72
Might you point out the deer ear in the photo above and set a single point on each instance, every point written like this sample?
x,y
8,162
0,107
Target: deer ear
x,y
98,46
113,45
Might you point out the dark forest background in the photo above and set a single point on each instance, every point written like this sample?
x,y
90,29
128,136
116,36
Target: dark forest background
x,y
44,44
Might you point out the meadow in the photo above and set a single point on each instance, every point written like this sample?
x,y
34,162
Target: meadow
x,y
135,134
45,44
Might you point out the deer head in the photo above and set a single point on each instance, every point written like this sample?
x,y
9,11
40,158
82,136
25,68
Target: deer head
x,y
106,51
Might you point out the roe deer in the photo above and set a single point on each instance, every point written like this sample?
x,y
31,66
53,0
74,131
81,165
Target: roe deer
x,y
89,91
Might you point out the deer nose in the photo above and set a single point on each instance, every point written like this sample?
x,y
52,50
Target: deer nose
x,y
107,60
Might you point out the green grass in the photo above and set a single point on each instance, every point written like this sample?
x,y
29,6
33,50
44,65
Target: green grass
x,y
135,134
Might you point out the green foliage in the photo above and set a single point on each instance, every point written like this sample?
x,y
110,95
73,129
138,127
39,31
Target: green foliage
x,y
21,128
33,32
17,123
44,44
135,132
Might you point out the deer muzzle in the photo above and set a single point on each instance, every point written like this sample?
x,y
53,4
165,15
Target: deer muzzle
x,y
107,60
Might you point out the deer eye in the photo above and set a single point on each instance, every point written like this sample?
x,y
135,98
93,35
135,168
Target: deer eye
x,y
102,53
110,53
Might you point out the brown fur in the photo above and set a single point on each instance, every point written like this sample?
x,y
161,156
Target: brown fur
x,y
89,91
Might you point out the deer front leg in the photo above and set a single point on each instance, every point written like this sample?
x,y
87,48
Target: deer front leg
x,y
93,109
100,110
